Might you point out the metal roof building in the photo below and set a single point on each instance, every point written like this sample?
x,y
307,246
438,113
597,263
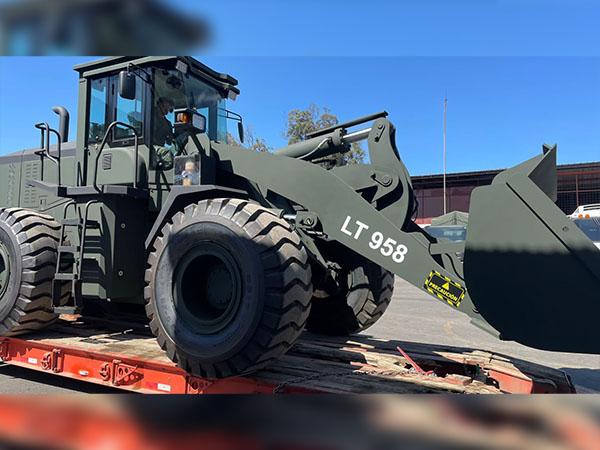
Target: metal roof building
x,y
578,184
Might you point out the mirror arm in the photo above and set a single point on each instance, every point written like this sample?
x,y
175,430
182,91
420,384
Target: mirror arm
x,y
231,115
141,69
235,116
147,81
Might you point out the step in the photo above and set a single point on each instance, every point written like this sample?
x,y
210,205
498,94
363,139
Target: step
x,y
93,224
72,222
66,276
79,223
72,310
68,248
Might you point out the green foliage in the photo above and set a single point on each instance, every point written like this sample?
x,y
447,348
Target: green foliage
x,y
232,140
302,122
356,155
251,142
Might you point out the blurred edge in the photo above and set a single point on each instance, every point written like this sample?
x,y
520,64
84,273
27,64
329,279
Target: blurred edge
x,y
98,27
296,423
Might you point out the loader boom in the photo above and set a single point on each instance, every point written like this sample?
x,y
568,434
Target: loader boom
x,y
384,236
383,232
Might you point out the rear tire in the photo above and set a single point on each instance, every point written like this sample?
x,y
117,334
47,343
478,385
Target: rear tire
x,y
356,305
28,251
228,288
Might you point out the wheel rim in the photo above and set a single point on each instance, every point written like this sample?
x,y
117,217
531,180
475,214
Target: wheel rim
x,y
4,269
207,288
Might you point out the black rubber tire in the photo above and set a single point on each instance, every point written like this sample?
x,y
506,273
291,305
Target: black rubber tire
x,y
274,295
31,240
355,307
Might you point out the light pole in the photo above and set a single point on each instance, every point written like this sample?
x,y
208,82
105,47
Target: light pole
x,y
444,176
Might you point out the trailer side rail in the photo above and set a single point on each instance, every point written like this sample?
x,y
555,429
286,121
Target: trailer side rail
x,y
133,362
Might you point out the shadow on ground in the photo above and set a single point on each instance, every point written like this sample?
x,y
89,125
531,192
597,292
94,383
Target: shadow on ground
x,y
587,378
38,382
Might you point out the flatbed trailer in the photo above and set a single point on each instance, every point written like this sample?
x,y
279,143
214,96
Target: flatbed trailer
x,y
126,356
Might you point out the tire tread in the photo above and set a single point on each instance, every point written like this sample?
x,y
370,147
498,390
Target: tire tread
x,y
38,237
288,288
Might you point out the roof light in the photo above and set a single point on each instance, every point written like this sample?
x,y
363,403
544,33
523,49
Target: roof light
x,y
181,67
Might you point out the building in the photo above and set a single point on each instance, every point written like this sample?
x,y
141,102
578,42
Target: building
x,y
577,184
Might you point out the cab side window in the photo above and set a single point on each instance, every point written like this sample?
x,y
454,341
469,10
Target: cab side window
x,y
129,111
98,107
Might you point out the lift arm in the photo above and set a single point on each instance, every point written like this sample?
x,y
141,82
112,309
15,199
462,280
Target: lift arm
x,y
512,286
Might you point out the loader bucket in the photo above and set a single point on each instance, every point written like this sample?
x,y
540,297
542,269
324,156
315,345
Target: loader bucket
x,y
530,272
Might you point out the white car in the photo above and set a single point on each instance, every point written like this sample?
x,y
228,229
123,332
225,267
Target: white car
x,y
586,211
591,227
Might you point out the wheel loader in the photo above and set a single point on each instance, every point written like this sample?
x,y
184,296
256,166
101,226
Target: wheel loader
x,y
234,253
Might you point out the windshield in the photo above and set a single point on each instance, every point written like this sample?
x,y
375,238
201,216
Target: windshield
x,y
591,227
456,234
174,90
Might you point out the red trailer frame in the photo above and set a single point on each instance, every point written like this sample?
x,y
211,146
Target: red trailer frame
x,y
315,364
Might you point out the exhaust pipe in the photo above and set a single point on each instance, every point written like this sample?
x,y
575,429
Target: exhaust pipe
x,y
63,127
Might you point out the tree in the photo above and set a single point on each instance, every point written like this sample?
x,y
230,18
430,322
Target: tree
x,y
251,142
301,123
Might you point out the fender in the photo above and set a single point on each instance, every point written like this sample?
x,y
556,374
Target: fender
x,y
181,196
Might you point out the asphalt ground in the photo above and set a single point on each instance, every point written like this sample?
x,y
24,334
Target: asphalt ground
x,y
415,316
412,316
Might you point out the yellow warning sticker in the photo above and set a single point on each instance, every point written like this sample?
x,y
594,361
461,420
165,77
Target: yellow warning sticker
x,y
444,288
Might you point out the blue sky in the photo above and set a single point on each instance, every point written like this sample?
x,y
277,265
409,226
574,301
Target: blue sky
x,y
400,27
518,74
500,109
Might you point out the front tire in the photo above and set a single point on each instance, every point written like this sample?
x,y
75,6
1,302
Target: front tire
x,y
228,288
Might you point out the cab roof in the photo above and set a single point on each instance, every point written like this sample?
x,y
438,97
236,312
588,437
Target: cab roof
x,y
115,63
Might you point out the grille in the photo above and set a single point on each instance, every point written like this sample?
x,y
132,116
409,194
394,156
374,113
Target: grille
x,y
107,161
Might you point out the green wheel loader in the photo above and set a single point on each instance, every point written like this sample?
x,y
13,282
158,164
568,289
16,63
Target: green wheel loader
x,y
229,249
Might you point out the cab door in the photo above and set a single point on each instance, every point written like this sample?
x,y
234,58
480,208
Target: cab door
x,y
116,164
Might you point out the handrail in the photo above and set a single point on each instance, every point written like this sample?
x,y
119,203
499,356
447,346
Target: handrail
x,y
135,169
82,237
45,147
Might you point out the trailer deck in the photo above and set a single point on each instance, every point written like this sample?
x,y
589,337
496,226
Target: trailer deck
x,y
125,355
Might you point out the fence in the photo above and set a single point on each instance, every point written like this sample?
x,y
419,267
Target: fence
x,y
577,188
574,188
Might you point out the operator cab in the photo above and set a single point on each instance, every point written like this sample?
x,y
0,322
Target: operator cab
x,y
145,94
172,91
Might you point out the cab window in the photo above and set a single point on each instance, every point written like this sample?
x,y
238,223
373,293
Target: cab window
x,y
188,91
98,106
129,111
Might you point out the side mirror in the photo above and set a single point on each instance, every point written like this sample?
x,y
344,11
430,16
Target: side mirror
x,y
190,119
127,85
241,132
